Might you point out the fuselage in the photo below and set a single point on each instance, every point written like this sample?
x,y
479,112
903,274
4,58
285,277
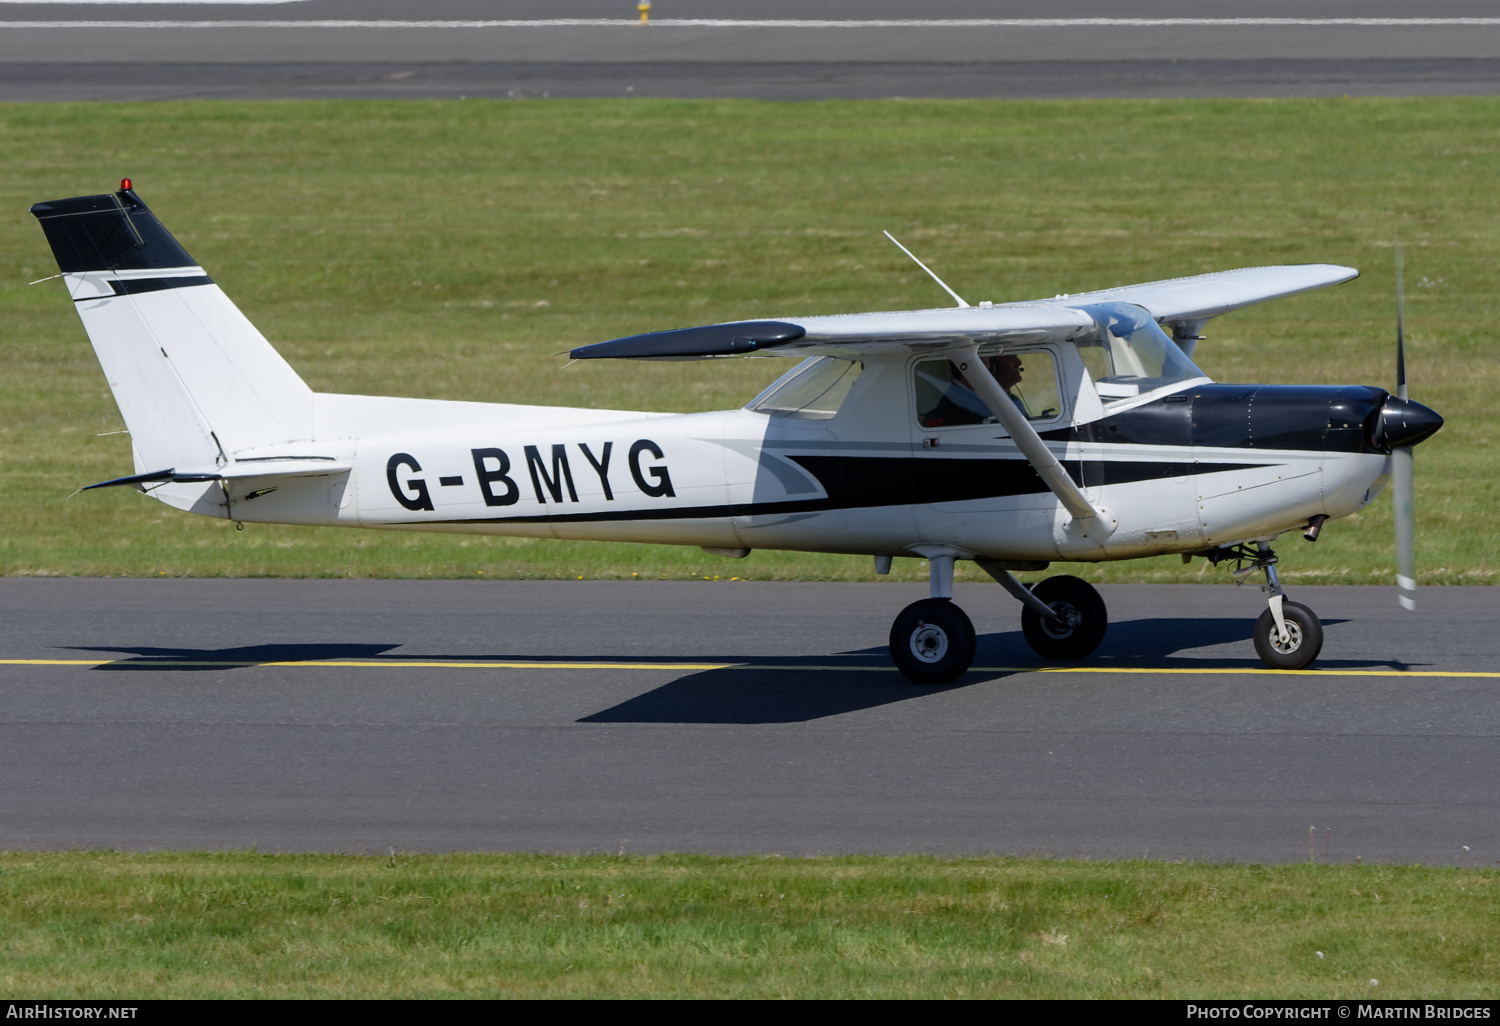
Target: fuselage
x,y
1183,470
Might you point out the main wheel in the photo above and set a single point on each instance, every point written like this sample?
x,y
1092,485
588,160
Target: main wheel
x,y
1080,624
932,642
1304,642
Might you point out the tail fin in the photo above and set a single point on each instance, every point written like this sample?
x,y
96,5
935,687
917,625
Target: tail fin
x,y
194,380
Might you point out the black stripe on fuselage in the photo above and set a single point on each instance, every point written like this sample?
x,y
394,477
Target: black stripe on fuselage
x,y
860,481
863,482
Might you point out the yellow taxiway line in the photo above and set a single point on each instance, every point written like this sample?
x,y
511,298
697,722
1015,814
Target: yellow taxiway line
x,y
684,667
366,664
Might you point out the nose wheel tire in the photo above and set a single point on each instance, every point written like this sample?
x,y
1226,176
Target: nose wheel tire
x,y
932,642
1305,638
1080,624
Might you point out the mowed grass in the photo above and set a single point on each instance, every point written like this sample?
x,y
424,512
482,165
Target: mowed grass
x,y
453,248
99,925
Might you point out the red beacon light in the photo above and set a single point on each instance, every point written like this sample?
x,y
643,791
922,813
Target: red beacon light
x,y
124,184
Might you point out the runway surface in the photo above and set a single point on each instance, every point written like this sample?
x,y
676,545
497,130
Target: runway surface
x,y
773,49
734,717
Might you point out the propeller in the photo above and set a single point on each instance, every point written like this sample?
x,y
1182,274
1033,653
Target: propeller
x,y
1402,425
1403,468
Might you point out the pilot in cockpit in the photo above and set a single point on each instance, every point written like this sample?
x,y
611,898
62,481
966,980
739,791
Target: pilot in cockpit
x,y
955,400
1007,370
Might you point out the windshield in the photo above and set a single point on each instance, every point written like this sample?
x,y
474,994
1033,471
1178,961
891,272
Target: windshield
x,y
814,389
1130,354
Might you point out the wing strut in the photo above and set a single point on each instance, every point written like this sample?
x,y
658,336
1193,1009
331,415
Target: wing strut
x,y
1024,435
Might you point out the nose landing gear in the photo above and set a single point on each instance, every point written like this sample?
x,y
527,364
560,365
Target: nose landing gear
x,y
1288,635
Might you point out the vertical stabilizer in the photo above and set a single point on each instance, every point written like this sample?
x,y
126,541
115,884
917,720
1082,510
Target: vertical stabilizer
x,y
195,381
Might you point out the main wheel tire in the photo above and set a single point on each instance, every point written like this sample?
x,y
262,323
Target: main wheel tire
x,y
1082,620
1304,644
932,642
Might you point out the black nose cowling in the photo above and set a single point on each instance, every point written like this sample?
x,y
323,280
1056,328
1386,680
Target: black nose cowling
x,y
1403,422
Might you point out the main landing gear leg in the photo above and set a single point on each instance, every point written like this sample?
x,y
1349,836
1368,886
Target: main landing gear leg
x,y
1288,635
933,641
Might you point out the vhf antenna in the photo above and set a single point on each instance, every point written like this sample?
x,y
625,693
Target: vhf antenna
x,y
956,297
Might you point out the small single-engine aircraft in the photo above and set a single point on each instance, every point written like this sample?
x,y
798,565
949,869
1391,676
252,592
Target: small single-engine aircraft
x,y
1014,435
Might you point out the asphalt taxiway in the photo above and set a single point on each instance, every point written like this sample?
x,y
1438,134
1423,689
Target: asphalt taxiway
x,y
734,717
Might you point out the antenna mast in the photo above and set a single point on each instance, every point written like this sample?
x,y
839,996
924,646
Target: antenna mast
x,y
956,297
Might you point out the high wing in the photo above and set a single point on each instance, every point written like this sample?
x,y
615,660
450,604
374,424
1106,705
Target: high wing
x,y
850,334
1193,300
1183,302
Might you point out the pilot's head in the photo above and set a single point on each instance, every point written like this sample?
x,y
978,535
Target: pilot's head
x,y
1007,370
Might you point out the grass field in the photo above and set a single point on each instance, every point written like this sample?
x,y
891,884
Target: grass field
x,y
98,925
451,249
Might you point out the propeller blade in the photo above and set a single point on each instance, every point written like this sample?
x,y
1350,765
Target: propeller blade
x,y
1403,468
1402,472
1400,331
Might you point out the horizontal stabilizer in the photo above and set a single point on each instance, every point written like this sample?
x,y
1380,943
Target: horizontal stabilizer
x,y
303,466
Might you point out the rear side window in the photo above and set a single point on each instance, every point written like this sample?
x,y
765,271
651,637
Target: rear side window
x,y
813,390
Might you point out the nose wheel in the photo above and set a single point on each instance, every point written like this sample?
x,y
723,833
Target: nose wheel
x,y
1298,646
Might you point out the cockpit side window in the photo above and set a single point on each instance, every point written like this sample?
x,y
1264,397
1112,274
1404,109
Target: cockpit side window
x,y
812,390
944,398
1129,353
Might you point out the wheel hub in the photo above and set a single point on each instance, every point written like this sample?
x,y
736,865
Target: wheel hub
x,y
929,643
1067,620
1293,638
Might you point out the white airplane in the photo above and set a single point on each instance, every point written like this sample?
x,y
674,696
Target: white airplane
x,y
1014,435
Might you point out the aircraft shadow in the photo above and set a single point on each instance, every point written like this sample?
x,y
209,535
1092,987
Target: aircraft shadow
x,y
147,658
776,695
773,695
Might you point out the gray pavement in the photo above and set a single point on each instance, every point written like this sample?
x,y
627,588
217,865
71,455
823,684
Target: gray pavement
x,y
770,721
339,48
850,80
